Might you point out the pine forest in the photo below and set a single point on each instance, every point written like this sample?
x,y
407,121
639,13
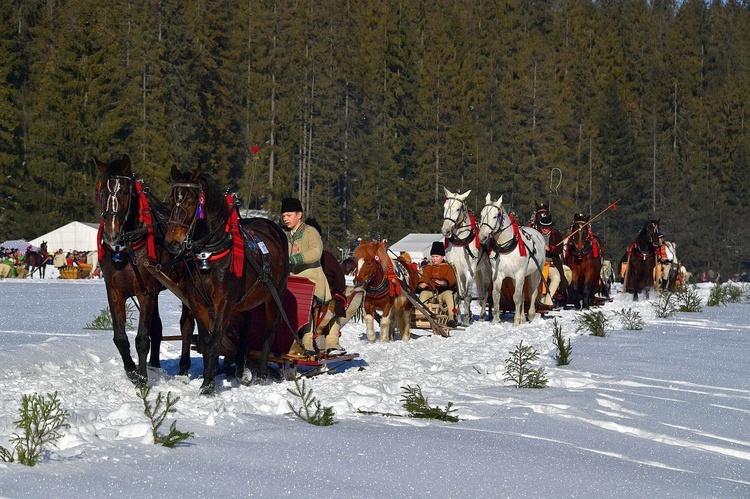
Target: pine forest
x,y
367,109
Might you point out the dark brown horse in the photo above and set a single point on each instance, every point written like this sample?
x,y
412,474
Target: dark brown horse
x,y
231,267
37,260
375,272
129,238
641,258
584,254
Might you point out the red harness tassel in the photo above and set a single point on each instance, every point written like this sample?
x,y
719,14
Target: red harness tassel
x,y
99,245
517,233
146,218
238,244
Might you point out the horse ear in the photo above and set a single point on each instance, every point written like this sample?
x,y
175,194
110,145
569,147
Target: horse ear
x,y
499,202
175,172
125,164
488,199
465,195
102,167
448,193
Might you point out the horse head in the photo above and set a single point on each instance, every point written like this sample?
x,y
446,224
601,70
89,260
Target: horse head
x,y
454,212
651,231
579,241
372,260
115,192
493,216
197,210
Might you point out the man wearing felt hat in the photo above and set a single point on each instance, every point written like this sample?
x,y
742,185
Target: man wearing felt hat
x,y
553,245
439,278
305,251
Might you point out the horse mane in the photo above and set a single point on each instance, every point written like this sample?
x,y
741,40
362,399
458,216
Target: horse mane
x,y
216,210
368,250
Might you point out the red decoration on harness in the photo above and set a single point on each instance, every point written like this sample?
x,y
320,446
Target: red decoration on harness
x,y
99,245
517,234
145,217
238,244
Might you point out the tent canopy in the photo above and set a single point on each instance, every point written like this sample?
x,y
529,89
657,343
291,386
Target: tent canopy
x,y
78,236
417,245
16,244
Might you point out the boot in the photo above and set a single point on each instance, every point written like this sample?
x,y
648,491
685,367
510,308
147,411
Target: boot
x,y
332,345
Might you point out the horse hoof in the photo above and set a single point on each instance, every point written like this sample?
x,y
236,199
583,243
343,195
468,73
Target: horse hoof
x,y
208,389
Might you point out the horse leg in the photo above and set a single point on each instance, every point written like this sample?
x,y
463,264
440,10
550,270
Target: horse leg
x,y
518,300
155,333
120,338
209,333
385,324
370,323
187,326
269,334
497,293
403,319
142,337
534,280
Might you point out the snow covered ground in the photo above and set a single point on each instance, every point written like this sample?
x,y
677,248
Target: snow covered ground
x,y
660,412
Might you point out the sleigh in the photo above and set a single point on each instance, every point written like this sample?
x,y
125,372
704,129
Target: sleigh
x,y
297,303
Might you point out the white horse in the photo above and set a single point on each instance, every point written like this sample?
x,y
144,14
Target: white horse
x,y
465,253
517,252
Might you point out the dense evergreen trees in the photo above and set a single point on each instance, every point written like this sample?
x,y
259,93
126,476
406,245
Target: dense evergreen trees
x,y
366,109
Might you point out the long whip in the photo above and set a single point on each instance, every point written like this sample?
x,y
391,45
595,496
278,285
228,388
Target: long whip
x,y
612,206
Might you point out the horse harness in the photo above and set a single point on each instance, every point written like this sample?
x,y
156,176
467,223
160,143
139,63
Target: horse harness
x,y
459,224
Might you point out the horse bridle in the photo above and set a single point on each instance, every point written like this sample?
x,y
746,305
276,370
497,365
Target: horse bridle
x,y
178,198
380,288
111,205
462,214
588,245
497,228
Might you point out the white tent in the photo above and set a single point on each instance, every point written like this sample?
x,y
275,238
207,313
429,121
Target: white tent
x,y
417,245
78,236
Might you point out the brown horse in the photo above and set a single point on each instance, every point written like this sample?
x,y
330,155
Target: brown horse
x,y
129,239
232,267
383,290
584,253
37,260
641,258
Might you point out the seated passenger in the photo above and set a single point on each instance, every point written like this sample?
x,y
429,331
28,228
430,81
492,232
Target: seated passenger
x,y
439,278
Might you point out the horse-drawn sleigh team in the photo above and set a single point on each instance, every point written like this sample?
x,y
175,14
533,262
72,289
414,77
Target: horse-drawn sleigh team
x,y
258,293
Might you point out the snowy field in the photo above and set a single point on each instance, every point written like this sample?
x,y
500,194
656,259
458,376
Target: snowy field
x,y
660,412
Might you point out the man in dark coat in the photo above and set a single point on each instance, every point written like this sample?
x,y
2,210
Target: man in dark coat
x,y
553,245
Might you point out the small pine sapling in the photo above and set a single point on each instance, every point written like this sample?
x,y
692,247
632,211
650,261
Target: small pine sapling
x,y
630,320
40,421
666,306
562,357
595,322
688,300
311,409
518,368
717,296
157,413
416,404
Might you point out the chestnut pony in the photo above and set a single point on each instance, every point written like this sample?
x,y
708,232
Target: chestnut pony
x,y
130,238
383,290
232,266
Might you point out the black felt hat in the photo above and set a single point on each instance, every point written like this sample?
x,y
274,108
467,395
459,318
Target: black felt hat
x,y
437,249
290,204
545,220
